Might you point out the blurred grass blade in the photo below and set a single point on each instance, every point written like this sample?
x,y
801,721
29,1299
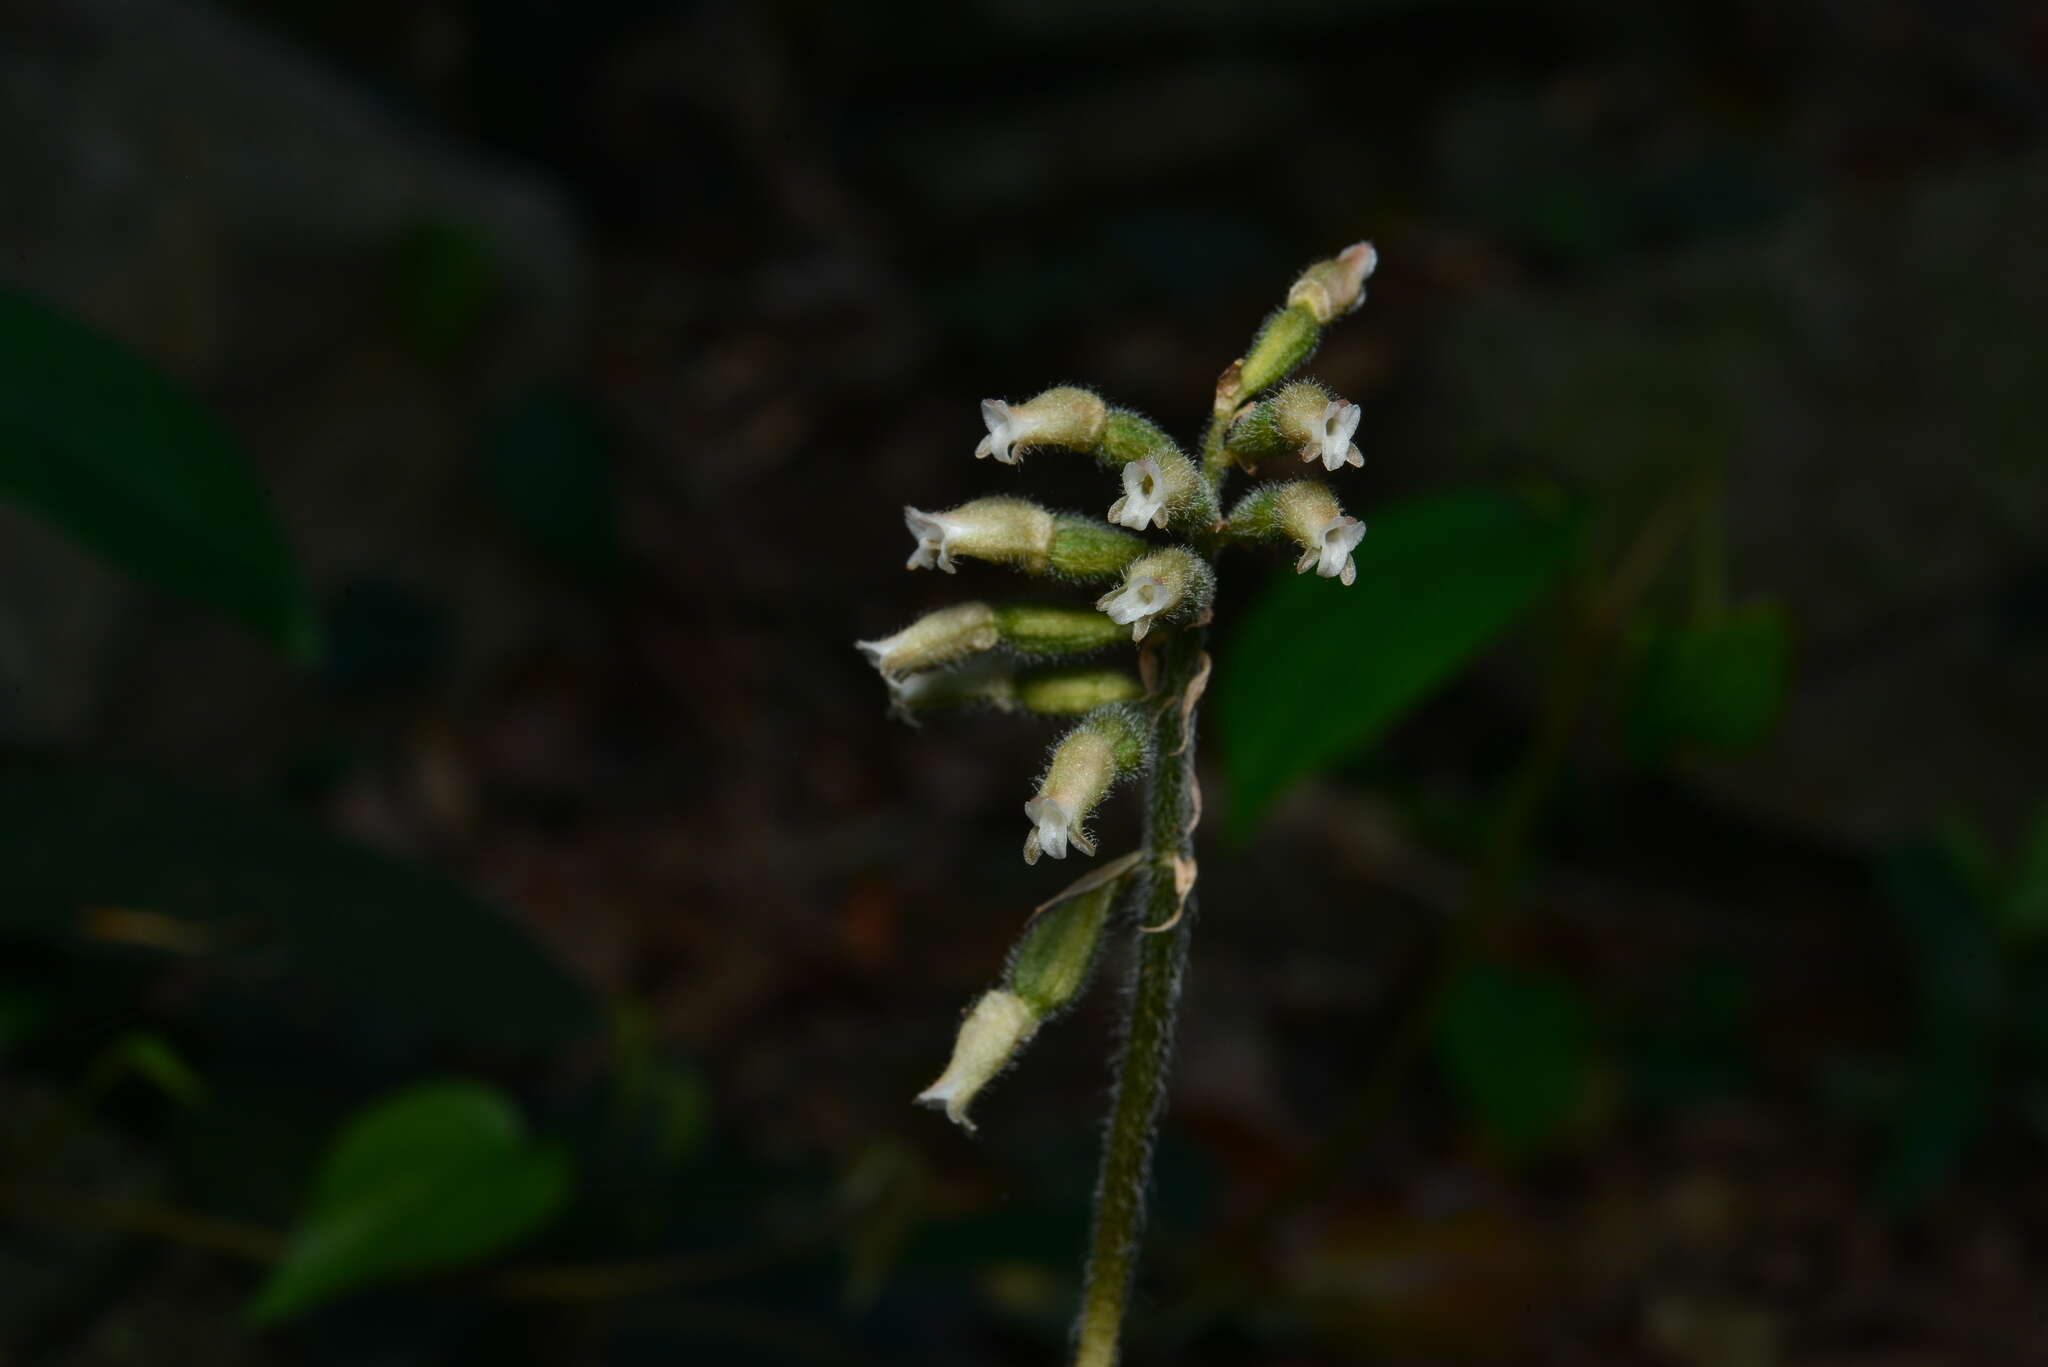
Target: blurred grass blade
x,y
2024,915
289,911
149,1056
1317,672
1518,1048
96,441
1719,684
436,1177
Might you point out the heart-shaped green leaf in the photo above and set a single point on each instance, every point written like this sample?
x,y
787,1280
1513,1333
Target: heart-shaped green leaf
x,y
437,1177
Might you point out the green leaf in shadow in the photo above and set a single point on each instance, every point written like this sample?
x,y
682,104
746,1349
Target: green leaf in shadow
x,y
1316,672
286,908
99,443
1720,683
1518,1048
437,1177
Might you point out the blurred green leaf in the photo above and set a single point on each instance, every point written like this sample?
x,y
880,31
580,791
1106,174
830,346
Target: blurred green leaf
x,y
150,1057
546,464
1719,684
102,445
1518,1048
314,918
1316,671
433,1178
1960,987
1695,1045
21,1014
444,278
2024,915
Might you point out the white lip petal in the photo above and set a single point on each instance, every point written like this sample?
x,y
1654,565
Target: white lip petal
x,y
1340,536
1007,431
1054,821
1137,599
878,651
1340,424
934,541
1144,500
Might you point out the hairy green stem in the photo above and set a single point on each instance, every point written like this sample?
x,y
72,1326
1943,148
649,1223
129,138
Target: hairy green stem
x,y
1151,1006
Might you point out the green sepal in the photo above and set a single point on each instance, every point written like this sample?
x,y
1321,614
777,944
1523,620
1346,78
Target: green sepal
x,y
1124,725
1287,339
1056,955
1127,437
1039,629
1068,692
1087,548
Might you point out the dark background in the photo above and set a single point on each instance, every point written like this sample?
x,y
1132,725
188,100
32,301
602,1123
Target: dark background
x,y
589,352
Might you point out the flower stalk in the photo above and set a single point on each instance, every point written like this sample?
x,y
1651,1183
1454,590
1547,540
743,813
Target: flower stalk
x,y
1011,658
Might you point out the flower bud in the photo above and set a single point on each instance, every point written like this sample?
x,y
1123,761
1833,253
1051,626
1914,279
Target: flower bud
x,y
1083,548
1331,289
1108,744
936,639
995,1029
1308,513
1067,417
1169,585
1011,531
1301,420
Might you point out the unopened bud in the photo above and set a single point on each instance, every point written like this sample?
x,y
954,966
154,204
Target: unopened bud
x,y
934,640
1067,417
995,1029
1331,289
1165,586
1108,744
1010,531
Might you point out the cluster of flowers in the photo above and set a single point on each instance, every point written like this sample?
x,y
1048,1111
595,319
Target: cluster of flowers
x,y
1021,656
